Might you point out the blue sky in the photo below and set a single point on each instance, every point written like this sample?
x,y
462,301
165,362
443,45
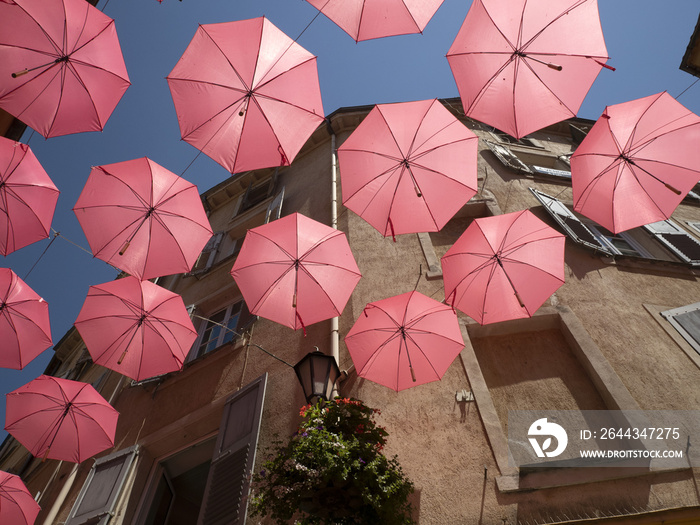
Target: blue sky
x,y
646,40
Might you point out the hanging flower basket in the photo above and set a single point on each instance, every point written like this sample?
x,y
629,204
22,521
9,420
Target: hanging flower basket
x,y
332,470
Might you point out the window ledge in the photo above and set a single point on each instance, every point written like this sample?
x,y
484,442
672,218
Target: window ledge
x,y
657,265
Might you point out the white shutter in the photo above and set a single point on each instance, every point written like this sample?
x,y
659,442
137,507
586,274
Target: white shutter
x,y
274,210
208,256
507,157
672,236
571,224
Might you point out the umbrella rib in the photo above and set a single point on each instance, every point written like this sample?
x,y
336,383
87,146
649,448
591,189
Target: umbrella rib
x,y
248,88
41,28
375,353
45,72
554,20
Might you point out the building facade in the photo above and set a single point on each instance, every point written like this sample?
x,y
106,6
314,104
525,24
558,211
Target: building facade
x,y
620,334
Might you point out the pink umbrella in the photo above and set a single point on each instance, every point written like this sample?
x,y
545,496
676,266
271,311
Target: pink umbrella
x,y
295,271
25,331
61,66
27,197
246,94
637,163
142,218
367,19
503,267
408,167
404,341
60,419
521,65
17,506
136,328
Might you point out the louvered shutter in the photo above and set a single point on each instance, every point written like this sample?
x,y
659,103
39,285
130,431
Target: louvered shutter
x,y
228,484
507,157
571,225
676,239
97,498
274,210
686,320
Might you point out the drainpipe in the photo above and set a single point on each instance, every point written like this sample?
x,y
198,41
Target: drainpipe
x,y
61,498
334,223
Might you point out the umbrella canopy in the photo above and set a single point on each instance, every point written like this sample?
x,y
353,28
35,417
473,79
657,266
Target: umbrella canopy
x,y
136,328
503,267
521,65
61,66
60,419
17,505
637,163
27,197
404,341
367,19
408,167
246,94
25,330
295,271
142,218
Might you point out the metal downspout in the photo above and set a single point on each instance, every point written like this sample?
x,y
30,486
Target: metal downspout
x,y
334,223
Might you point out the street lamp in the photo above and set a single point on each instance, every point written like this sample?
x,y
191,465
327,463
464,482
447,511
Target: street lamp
x,y
317,373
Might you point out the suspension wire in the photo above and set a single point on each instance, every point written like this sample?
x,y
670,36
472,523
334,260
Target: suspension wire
x,y
58,234
686,89
40,256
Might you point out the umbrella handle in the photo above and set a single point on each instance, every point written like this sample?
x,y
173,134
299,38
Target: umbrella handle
x,y
46,454
517,296
674,190
122,357
20,73
124,248
413,374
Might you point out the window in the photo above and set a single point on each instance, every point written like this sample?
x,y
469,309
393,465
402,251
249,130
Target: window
x,y
676,240
208,483
619,244
258,192
221,328
531,162
686,320
507,157
206,259
507,139
225,245
571,224
179,486
99,495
